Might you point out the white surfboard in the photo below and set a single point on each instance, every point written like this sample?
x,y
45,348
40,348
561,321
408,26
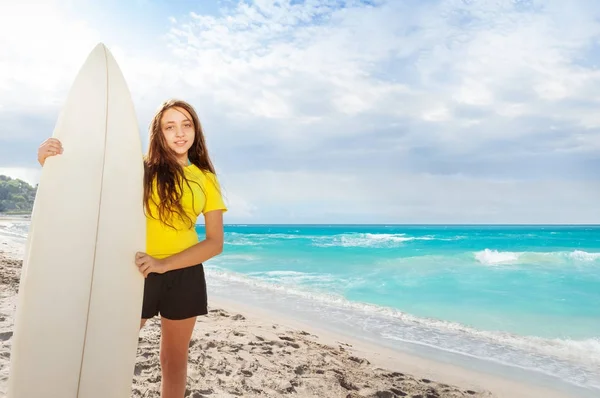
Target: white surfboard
x,y
80,296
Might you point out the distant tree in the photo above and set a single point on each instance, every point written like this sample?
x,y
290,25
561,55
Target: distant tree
x,y
16,195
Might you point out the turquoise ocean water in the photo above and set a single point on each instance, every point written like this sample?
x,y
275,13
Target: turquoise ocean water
x,y
520,300
523,297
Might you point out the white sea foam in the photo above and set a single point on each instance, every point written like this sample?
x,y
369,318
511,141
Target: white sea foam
x,y
583,256
366,240
237,239
294,278
585,376
495,257
16,229
242,239
353,239
236,257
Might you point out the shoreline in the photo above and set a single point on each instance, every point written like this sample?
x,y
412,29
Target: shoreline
x,y
245,350
388,358
349,326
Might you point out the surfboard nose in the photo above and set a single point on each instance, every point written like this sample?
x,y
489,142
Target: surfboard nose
x,y
99,50
100,46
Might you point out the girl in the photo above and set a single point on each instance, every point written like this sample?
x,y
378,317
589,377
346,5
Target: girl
x,y
179,184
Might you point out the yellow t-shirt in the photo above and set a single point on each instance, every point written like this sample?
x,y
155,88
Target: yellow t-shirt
x,y
162,240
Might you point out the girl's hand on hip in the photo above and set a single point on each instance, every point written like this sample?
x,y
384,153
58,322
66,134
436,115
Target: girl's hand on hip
x,y
148,264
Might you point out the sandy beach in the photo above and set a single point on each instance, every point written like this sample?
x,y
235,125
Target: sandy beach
x,y
242,351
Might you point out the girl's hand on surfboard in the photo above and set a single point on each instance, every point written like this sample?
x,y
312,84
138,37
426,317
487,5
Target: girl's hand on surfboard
x,y
50,147
148,264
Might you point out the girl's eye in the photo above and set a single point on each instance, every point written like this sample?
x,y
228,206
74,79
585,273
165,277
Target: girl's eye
x,y
188,125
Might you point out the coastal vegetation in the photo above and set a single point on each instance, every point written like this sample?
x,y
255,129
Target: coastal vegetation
x,y
16,196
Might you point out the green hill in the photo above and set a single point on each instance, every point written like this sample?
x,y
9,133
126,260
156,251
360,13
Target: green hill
x,y
16,196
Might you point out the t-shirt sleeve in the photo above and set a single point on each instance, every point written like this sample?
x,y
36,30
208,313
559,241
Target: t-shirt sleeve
x,y
212,191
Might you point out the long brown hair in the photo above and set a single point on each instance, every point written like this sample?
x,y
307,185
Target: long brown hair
x,y
162,168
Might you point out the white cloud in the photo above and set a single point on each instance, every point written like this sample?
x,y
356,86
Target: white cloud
x,y
309,61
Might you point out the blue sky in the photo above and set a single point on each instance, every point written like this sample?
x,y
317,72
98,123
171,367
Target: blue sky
x,y
445,111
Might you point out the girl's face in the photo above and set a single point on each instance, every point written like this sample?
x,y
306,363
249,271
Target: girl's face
x,y
178,129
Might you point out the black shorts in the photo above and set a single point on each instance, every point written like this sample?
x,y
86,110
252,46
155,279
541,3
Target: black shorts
x,y
177,294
